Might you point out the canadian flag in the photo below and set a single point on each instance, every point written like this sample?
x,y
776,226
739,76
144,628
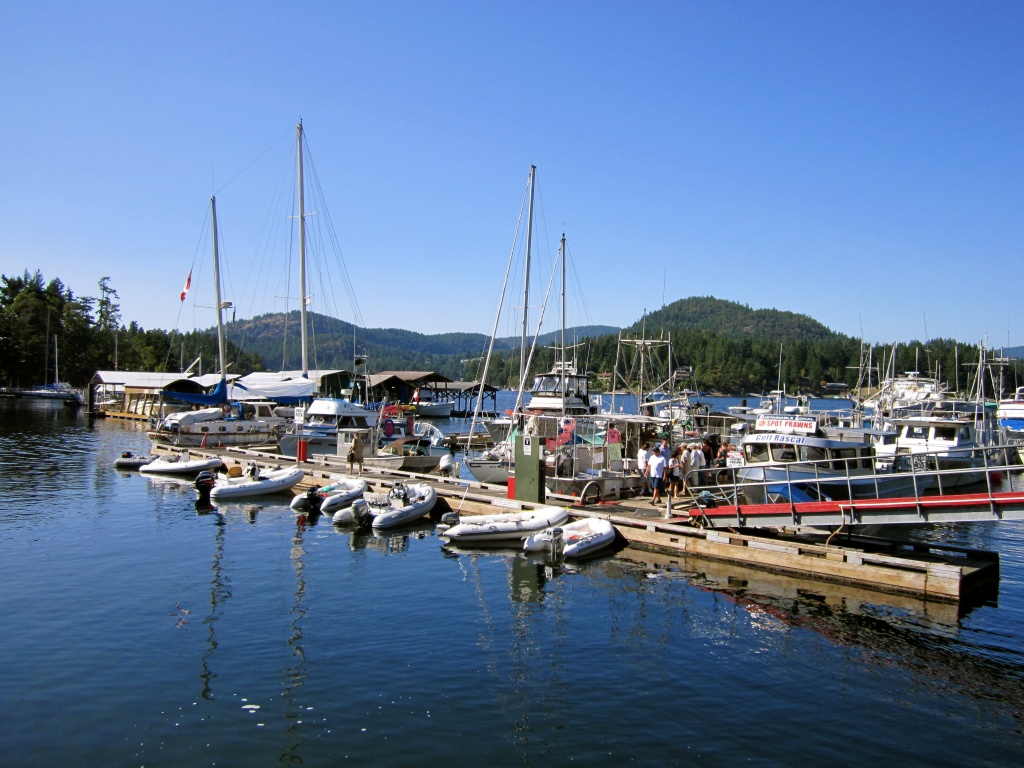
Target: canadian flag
x,y
188,284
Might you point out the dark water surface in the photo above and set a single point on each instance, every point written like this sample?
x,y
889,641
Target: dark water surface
x,y
137,632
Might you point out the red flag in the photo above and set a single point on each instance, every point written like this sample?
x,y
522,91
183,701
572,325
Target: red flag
x,y
188,284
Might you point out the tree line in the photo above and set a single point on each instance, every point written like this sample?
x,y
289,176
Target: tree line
x,y
730,349
48,333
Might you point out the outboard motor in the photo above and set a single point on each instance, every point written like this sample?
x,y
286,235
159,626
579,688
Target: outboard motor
x,y
314,499
361,512
204,484
447,465
451,519
557,543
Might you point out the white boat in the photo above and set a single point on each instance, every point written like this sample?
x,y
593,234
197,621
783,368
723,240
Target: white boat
x,y
505,527
180,464
256,482
791,451
320,424
403,504
328,499
953,445
576,539
1011,412
434,409
408,454
231,423
129,460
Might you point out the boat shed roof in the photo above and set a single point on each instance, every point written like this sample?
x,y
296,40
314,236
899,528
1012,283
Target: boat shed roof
x,y
415,378
470,386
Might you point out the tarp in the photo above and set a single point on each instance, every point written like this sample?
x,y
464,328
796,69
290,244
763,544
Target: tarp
x,y
290,392
218,396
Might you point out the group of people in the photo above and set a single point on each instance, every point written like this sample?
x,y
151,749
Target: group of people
x,y
668,470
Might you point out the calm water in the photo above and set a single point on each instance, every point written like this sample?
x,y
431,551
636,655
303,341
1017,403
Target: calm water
x,y
138,632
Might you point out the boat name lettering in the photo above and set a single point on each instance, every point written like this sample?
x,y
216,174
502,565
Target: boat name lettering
x,y
507,503
791,439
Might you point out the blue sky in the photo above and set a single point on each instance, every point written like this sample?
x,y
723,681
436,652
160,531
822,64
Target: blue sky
x,y
861,163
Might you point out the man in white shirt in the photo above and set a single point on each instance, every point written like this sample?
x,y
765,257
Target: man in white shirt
x,y
641,464
697,463
656,473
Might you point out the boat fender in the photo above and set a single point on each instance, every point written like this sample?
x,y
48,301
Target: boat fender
x,y
389,428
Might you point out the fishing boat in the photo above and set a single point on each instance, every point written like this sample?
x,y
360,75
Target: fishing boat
x,y
791,450
403,504
180,464
580,538
255,482
507,527
955,445
1011,412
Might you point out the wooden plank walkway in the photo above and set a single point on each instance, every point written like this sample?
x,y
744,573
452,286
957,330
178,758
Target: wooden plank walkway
x,y
932,572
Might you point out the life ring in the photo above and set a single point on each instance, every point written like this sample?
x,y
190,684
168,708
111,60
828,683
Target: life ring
x,y
225,409
389,428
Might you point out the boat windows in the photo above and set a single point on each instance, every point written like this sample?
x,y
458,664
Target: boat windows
x,y
915,432
784,452
812,453
945,433
757,453
843,458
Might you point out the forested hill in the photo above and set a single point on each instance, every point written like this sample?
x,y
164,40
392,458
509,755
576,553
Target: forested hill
x,y
734,321
332,340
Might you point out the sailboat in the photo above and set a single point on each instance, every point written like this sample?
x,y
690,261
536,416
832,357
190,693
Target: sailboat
x,y
494,465
222,422
59,390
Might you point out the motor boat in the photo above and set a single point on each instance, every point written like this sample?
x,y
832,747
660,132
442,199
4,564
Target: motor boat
x,y
507,528
252,482
579,538
180,464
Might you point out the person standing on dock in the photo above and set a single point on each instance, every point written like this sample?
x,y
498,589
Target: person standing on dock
x,y
641,464
613,440
656,474
355,456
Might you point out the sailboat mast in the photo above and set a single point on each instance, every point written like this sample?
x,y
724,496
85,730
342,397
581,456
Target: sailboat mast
x,y
526,278
302,257
216,285
565,383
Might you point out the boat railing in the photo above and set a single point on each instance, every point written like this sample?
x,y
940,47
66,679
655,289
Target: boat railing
x,y
826,480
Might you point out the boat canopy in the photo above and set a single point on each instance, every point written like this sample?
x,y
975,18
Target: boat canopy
x,y
288,392
218,396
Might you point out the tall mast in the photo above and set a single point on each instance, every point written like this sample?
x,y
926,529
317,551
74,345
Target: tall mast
x,y
302,257
565,383
526,279
216,285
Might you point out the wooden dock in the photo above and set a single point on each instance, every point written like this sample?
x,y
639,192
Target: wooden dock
x,y
930,572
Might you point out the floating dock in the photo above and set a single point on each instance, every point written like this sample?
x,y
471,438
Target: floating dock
x,y
758,536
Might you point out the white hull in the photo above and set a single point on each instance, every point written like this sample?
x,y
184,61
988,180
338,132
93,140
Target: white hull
x,y
180,466
274,481
212,439
506,527
489,471
435,410
422,499
579,538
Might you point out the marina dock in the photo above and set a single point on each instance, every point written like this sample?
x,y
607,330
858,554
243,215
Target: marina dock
x,y
931,572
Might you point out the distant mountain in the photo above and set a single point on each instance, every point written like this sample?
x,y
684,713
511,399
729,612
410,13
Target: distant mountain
x,y
1016,353
275,337
734,321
